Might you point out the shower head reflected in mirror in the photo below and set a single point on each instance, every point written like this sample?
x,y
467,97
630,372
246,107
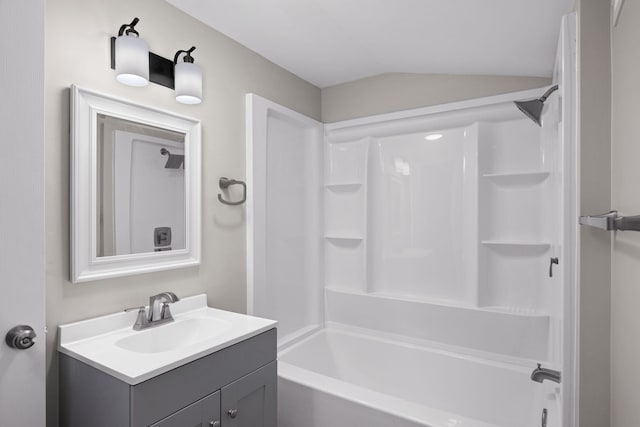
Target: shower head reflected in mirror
x,y
533,108
174,161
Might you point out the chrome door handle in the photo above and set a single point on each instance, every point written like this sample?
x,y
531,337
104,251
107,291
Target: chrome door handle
x,y
232,413
611,221
21,337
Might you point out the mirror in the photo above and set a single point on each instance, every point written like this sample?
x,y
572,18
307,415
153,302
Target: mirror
x,y
135,188
140,188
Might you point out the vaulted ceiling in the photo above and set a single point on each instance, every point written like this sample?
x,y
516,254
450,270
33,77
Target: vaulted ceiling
x,y
328,42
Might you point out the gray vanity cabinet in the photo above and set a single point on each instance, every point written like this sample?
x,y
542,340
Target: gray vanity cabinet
x,y
247,402
233,387
251,400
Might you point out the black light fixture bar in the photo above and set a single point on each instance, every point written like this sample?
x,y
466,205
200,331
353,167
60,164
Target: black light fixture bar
x,y
160,69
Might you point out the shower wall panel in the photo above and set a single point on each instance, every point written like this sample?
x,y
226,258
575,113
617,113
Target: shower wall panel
x,y
420,209
292,254
284,217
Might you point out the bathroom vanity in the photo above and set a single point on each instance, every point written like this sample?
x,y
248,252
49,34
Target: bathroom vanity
x,y
208,368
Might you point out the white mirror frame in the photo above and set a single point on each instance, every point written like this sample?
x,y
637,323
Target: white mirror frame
x,y
85,264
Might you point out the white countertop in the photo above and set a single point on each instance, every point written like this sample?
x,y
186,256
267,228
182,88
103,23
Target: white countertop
x,y
98,342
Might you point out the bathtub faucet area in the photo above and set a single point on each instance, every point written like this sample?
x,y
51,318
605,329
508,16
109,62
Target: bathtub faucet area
x,y
540,374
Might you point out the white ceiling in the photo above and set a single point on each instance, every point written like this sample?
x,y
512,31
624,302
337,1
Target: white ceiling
x,y
327,42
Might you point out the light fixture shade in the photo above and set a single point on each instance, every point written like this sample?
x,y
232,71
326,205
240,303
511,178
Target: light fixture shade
x,y
188,83
132,61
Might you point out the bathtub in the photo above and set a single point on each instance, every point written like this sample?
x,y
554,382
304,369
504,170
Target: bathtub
x,y
341,378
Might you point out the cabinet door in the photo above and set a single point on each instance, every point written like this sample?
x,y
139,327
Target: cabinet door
x,y
251,401
203,413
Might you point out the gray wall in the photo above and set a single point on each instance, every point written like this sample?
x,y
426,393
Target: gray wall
x,y
77,51
594,133
401,91
625,290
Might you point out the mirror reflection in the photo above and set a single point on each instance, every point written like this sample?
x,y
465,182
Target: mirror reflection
x,y
141,188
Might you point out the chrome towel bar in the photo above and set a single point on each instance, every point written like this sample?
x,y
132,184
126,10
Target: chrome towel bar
x,y
611,221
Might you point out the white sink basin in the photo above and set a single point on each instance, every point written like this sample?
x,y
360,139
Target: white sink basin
x,y
173,335
110,344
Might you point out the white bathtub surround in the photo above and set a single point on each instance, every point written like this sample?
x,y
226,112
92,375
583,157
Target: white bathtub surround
x,y
413,275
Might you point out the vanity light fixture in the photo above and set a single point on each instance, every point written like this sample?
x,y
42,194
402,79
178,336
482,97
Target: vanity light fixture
x,y
132,56
135,65
188,78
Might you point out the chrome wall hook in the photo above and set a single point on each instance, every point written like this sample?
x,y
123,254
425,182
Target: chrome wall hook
x,y
224,183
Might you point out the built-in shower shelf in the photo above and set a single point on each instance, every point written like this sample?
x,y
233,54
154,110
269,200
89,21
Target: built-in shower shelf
x,y
343,238
518,178
517,246
344,188
521,311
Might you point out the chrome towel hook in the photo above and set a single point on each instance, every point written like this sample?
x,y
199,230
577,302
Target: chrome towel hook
x,y
225,183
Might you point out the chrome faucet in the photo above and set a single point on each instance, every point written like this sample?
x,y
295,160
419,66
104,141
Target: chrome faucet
x,y
159,306
159,311
540,374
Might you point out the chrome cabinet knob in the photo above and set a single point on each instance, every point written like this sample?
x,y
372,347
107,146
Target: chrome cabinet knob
x,y
215,423
232,413
21,337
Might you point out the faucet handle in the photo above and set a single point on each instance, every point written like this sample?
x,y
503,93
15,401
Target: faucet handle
x,y
165,313
141,320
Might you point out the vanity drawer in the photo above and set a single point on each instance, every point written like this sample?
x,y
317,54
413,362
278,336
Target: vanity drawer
x,y
205,412
165,394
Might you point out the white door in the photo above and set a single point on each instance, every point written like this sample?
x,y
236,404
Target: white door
x,y
22,372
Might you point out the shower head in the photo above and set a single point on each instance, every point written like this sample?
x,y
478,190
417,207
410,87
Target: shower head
x,y
533,108
174,161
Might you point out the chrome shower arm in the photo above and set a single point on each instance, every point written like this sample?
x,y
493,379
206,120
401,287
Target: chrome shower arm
x,y
548,92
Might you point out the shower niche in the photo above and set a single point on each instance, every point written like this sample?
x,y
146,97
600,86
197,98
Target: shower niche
x,y
517,207
345,219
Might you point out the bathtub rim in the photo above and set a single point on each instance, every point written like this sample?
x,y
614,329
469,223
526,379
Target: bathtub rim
x,y
422,415
523,365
